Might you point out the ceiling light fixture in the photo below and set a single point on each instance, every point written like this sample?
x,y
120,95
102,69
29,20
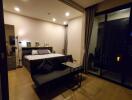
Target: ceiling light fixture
x,y
65,23
54,19
67,14
17,9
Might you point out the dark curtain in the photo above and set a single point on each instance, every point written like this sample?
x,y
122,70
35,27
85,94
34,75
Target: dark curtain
x,y
90,14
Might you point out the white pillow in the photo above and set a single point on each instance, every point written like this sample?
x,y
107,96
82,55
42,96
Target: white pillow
x,y
34,52
44,51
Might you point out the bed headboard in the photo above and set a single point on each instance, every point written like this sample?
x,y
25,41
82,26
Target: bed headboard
x,y
28,50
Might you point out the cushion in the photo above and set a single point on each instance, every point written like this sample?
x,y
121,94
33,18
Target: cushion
x,y
34,52
44,51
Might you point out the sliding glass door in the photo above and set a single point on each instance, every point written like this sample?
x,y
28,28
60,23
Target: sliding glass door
x,y
95,49
110,51
115,44
128,70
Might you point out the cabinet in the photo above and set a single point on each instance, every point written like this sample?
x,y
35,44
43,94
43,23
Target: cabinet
x,y
11,62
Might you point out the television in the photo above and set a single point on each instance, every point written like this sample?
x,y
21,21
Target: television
x,y
12,40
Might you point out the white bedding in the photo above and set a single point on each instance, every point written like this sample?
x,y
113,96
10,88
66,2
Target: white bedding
x,y
37,57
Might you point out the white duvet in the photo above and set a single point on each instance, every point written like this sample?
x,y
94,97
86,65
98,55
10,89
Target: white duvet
x,y
37,57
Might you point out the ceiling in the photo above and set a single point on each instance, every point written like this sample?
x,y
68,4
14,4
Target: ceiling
x,y
42,9
47,9
87,3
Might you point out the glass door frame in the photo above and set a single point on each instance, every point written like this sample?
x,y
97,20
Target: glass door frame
x,y
3,58
105,13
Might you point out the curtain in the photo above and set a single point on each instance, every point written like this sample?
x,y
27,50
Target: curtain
x,y
90,13
66,40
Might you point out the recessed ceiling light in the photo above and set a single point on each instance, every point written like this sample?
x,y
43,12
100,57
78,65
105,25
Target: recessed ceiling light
x,y
65,23
17,9
67,14
54,19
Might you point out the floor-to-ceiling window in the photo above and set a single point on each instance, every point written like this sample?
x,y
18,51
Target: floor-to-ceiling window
x,y
115,44
95,45
110,46
128,70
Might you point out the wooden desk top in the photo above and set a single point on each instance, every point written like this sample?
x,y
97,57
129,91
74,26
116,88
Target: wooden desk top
x,y
72,65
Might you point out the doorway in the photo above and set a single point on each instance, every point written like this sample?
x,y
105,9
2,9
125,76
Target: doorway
x,y
11,46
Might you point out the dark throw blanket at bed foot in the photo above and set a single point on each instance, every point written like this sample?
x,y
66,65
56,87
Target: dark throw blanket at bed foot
x,y
47,67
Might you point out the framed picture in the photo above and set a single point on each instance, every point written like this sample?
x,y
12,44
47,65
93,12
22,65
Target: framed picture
x,y
37,44
28,44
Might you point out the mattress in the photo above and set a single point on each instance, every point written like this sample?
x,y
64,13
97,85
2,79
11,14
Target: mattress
x,y
38,57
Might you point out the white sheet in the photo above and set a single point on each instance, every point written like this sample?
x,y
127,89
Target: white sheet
x,y
37,57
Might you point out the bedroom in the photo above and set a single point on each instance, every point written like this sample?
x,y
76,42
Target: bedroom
x,y
54,33
47,28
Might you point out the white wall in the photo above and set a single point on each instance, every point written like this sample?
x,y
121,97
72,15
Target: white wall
x,y
37,31
33,30
75,34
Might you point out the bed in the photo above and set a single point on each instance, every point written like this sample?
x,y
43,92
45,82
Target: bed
x,y
47,68
32,62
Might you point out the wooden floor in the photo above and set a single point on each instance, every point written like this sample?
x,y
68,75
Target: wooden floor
x,y
21,88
